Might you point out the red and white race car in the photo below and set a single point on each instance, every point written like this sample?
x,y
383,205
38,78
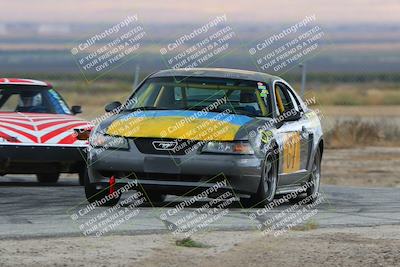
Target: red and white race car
x,y
39,132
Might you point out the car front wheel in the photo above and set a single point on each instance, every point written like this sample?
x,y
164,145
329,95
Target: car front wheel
x,y
81,175
315,178
47,177
268,183
154,196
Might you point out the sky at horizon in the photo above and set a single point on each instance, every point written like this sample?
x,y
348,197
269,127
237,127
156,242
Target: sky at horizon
x,y
190,11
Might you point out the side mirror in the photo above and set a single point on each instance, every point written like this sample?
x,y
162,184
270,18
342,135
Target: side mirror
x,y
294,116
111,106
76,109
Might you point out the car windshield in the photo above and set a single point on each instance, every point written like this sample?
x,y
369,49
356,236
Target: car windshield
x,y
199,93
32,100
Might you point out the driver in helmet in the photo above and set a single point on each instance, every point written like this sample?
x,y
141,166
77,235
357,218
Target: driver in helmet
x,y
30,103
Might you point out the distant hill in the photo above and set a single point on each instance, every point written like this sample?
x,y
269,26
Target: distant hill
x,y
30,47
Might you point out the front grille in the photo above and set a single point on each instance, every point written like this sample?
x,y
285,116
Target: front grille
x,y
178,177
169,177
181,146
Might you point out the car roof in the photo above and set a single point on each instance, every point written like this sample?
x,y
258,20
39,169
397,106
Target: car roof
x,y
25,82
217,73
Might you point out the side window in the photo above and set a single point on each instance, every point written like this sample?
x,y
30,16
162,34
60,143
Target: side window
x,y
283,99
294,100
147,95
10,104
57,103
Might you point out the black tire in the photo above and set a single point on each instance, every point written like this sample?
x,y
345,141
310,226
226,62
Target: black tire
x,y
268,183
155,197
312,192
99,195
48,177
82,176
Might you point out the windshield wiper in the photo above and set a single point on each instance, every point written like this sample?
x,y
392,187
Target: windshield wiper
x,y
246,113
144,108
196,108
235,111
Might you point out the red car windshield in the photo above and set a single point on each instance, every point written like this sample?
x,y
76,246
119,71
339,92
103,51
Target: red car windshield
x,y
32,100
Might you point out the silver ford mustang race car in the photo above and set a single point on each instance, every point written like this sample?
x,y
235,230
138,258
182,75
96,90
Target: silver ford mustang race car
x,y
183,131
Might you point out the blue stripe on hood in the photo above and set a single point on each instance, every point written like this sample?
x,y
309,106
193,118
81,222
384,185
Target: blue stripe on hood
x,y
227,117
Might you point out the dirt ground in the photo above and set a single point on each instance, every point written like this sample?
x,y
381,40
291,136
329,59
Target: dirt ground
x,y
369,246
366,246
367,167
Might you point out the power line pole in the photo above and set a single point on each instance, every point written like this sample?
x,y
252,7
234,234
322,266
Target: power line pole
x,y
136,77
303,78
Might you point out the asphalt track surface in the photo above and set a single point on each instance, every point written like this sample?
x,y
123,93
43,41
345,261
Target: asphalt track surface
x,y
30,210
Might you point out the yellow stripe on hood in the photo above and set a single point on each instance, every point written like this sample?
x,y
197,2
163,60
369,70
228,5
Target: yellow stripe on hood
x,y
174,127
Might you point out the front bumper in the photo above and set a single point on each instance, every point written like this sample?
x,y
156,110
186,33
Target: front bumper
x,y
175,174
31,159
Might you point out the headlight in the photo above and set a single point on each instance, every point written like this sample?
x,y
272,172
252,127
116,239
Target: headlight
x,y
108,141
82,134
243,148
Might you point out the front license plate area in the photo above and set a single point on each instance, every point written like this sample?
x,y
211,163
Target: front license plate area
x,y
162,165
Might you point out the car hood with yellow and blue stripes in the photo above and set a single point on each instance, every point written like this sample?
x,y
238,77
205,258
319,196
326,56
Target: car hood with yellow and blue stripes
x,y
179,124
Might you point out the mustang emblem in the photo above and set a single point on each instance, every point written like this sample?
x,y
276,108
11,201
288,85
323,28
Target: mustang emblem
x,y
165,145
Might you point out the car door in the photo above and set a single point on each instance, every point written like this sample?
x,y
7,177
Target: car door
x,y
293,134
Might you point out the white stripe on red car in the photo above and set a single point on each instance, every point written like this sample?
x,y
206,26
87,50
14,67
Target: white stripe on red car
x,y
30,128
